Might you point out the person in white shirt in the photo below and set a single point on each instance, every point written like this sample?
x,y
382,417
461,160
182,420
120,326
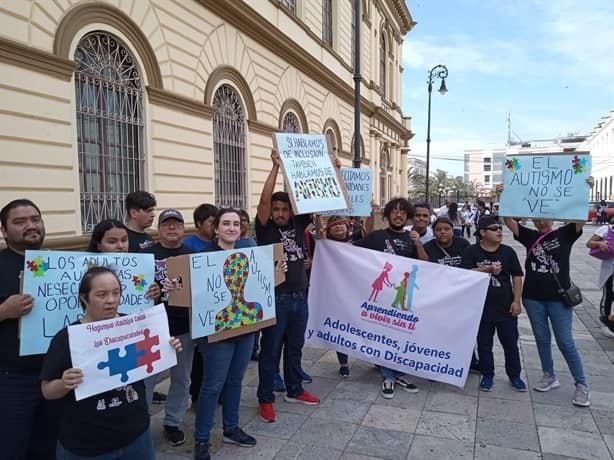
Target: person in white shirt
x,y
602,239
421,223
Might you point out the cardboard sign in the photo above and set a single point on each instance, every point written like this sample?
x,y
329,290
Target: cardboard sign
x,y
359,185
391,311
314,184
52,278
119,351
546,186
230,292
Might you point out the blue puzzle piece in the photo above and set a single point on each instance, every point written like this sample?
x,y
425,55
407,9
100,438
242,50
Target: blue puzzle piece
x,y
122,364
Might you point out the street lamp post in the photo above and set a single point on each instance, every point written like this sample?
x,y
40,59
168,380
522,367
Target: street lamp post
x,y
439,71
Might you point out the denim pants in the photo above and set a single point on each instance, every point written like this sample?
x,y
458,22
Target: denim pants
x,y
389,374
226,363
291,311
507,331
140,449
539,311
178,398
29,424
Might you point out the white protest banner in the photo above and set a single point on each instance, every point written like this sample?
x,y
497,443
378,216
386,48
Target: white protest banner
x,y
359,185
52,278
394,311
233,292
313,182
546,186
115,352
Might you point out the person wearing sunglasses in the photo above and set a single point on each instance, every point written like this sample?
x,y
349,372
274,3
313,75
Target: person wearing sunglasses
x,y
502,305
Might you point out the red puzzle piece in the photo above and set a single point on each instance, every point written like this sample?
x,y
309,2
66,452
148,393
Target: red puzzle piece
x,y
145,345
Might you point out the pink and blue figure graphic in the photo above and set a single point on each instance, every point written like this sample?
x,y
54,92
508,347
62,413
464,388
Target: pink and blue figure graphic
x,y
401,289
381,281
239,312
136,354
411,285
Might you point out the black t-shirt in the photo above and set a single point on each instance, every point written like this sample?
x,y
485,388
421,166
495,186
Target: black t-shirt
x,y
178,317
451,256
11,265
500,293
100,423
386,240
137,241
552,253
292,236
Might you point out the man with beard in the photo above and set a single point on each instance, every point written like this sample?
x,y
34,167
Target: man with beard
x,y
29,426
394,240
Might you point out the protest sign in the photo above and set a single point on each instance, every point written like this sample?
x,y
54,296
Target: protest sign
x,y
52,278
392,311
359,185
546,186
314,184
119,351
231,292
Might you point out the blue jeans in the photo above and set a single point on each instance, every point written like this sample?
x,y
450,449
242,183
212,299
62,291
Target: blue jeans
x,y
291,312
139,449
539,311
29,424
226,363
389,374
507,331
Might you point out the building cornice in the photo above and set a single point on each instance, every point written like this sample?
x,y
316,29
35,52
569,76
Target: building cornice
x,y
26,57
179,103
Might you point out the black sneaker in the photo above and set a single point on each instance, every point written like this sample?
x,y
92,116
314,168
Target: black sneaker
x,y
239,437
158,398
388,389
174,435
407,386
344,371
201,451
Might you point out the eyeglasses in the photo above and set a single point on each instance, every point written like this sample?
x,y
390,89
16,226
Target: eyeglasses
x,y
494,228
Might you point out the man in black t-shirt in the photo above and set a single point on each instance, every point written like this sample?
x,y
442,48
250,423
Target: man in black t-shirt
x,y
171,231
502,305
275,223
445,249
140,207
394,240
29,423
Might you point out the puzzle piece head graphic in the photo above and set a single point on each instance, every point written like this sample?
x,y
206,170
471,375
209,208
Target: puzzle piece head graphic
x,y
236,270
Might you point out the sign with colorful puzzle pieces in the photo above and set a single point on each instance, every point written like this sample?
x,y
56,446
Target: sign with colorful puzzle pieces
x,y
232,290
547,186
314,184
122,350
52,278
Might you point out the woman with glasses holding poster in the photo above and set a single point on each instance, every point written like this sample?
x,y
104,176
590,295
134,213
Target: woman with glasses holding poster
x,y
112,424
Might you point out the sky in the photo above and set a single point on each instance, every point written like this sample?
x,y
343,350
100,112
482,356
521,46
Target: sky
x,y
550,64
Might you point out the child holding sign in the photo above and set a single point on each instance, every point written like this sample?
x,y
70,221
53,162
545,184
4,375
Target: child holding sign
x,y
111,421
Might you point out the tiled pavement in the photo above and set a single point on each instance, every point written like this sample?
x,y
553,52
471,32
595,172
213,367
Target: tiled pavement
x,y
440,422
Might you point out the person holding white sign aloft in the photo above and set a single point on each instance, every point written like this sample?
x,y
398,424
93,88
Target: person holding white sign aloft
x,y
114,423
547,279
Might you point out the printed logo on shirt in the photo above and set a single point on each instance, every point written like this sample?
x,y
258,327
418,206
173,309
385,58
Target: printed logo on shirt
x,y
494,281
160,276
292,251
396,246
541,261
145,244
452,261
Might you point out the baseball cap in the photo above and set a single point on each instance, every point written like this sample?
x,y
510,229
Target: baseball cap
x,y
487,221
169,214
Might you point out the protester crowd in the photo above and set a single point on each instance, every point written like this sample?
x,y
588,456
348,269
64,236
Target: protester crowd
x,y
37,390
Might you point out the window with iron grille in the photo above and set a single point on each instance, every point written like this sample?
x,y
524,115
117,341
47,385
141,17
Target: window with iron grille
x,y
229,148
290,123
382,64
383,177
327,22
290,4
353,4
110,123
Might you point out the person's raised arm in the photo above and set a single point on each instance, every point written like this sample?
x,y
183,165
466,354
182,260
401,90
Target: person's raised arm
x,y
370,221
264,206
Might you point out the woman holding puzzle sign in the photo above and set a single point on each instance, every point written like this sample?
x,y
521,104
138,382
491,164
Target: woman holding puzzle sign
x,y
114,423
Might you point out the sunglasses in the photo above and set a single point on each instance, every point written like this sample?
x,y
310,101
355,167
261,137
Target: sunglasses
x,y
494,228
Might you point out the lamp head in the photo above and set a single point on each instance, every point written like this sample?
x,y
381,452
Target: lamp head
x,y
442,89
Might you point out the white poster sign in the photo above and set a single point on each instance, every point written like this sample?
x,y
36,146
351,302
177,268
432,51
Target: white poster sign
x,y
394,311
358,182
115,352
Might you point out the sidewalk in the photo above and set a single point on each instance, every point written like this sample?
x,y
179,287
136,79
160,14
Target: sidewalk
x,y
440,422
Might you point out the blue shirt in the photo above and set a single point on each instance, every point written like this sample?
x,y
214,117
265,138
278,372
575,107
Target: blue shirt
x,y
196,244
245,243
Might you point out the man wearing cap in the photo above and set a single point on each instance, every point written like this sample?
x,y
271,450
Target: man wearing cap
x,y
502,305
170,231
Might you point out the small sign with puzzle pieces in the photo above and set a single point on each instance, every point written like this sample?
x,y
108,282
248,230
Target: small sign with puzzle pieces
x,y
122,350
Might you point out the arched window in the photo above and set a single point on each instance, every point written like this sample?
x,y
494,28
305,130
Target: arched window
x,y
382,64
383,176
110,123
290,123
229,148
330,134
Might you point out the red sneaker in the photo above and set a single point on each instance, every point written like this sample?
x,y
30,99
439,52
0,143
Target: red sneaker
x,y
304,398
267,413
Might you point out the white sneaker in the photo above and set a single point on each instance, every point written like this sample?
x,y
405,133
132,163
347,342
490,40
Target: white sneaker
x,y
605,330
582,396
547,383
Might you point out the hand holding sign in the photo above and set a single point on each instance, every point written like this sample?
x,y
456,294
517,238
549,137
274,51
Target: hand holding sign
x,y
16,306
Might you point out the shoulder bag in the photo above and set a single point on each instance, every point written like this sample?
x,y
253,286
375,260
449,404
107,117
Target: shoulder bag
x,y
605,255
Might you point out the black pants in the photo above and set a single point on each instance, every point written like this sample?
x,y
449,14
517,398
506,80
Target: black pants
x,y
605,306
507,331
196,378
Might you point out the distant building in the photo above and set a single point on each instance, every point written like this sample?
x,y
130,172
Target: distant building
x,y
418,167
601,145
485,168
